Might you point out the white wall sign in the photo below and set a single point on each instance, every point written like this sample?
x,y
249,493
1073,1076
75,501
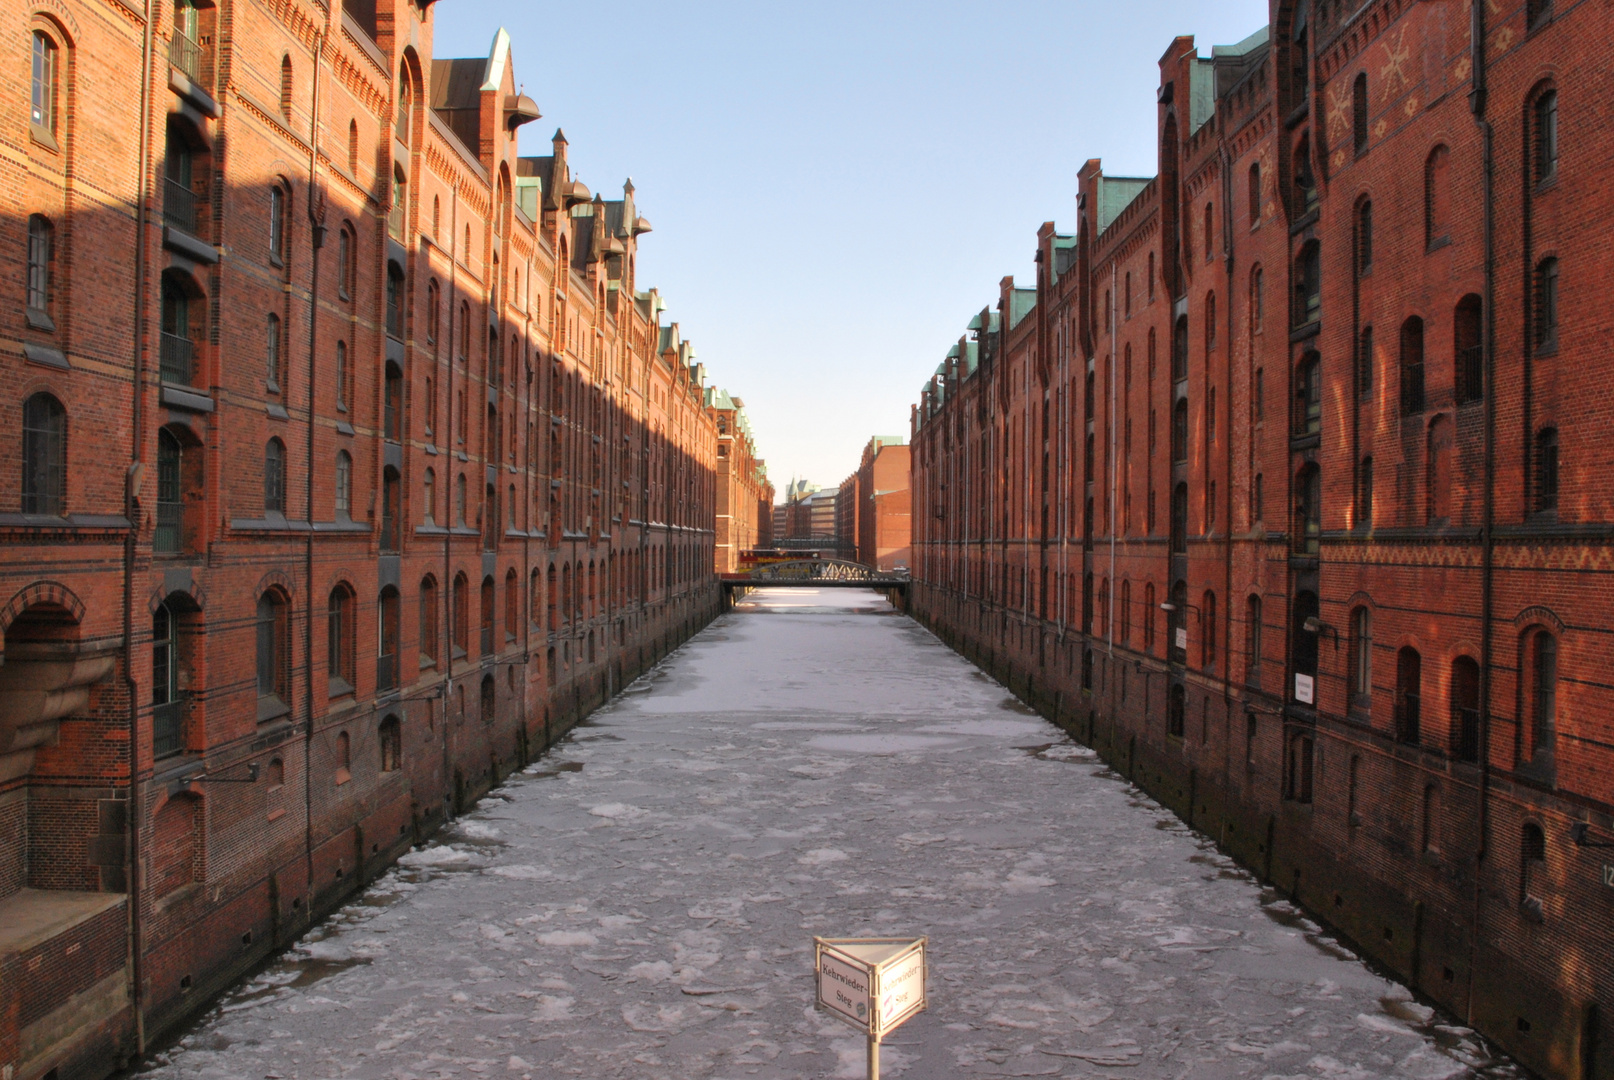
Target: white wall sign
x,y
1182,637
1608,875
1305,689
874,984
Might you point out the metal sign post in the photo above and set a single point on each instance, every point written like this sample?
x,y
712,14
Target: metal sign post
x,y
873,984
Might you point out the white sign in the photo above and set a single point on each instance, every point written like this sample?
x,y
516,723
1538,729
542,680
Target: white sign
x,y
1608,875
874,984
843,988
1305,689
1182,637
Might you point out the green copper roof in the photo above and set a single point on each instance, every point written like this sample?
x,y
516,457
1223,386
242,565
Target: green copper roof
x,y
1115,194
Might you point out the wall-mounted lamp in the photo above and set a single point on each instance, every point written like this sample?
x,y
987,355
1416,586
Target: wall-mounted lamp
x,y
1314,625
1577,833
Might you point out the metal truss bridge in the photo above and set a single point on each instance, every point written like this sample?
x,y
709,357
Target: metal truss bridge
x,y
816,573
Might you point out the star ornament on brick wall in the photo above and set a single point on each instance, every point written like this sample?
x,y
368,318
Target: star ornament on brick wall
x,y
1393,74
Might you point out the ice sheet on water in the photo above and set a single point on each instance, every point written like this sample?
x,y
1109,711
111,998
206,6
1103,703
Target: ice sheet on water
x,y
643,906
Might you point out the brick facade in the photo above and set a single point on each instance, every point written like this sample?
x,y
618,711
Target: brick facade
x,y
1281,487
367,468
744,494
872,505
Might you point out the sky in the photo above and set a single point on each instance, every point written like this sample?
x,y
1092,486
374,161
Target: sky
x,y
835,187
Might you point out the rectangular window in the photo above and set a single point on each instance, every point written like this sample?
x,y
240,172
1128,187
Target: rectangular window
x,y
43,113
277,225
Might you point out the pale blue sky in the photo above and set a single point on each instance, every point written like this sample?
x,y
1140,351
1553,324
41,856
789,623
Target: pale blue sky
x,y
837,187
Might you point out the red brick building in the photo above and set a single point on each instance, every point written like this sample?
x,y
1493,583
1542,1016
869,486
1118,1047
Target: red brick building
x,y
1282,486
349,466
744,511
872,505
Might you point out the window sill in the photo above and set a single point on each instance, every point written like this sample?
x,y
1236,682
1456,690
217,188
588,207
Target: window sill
x,y
343,776
339,687
1437,243
270,707
41,320
43,137
1545,349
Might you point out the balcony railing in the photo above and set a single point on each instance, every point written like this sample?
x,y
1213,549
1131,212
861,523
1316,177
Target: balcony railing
x,y
179,205
168,728
169,534
176,359
189,57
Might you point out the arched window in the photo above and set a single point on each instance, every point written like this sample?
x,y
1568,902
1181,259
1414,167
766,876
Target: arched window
x,y
1303,634
1465,700
1364,494
1544,133
1467,331
342,376
395,301
274,477
487,616
512,605
344,484
1308,413
1361,659
1177,624
1308,510
1437,197
489,699
1210,231
1148,617
386,668
1127,296
1408,695
1257,299
1532,868
344,263
1305,178
391,509
553,596
428,621
1437,471
428,497
1536,12
1364,237
168,536
1412,401
1176,708
462,614
1126,612
1545,487
285,87
1541,696
433,311
1359,104
1544,315
401,125
535,598
1179,350
1257,506
1151,278
42,114
1308,285
390,737
44,456
41,249
274,674
167,699
277,224
344,758
459,501
1254,195
1207,631
271,352
339,631
1210,321
1252,639
1179,519
1179,431
353,149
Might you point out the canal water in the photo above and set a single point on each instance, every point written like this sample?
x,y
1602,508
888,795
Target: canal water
x,y
642,901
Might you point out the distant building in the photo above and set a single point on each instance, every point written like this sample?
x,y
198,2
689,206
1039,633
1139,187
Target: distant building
x,y
872,511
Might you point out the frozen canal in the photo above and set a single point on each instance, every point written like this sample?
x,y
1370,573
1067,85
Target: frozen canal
x,y
642,902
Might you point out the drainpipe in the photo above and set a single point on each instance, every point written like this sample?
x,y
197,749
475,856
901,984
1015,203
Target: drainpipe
x,y
446,589
1476,102
316,218
1227,441
1115,326
132,485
